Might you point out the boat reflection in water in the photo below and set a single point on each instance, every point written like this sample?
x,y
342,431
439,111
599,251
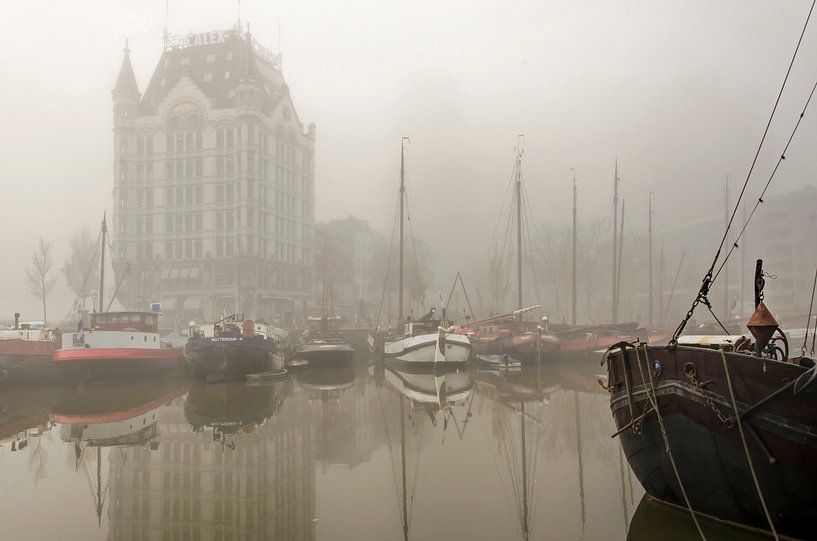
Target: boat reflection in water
x,y
25,414
656,520
107,416
326,377
479,454
549,431
228,408
114,414
429,393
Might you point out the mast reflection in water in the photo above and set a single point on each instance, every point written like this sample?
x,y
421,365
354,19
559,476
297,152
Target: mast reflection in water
x,y
360,450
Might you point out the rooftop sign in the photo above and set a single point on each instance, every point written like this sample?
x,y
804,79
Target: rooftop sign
x,y
214,37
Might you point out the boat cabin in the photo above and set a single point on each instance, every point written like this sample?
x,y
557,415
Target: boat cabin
x,y
426,326
125,321
324,324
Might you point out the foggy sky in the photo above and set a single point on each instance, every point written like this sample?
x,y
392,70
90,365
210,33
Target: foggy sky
x,y
679,91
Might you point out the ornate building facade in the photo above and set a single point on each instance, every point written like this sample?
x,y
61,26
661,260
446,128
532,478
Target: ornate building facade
x,y
213,183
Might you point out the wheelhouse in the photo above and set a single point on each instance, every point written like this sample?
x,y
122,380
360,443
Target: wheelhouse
x,y
125,321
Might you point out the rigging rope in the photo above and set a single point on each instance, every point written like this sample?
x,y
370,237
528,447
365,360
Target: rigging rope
x,y
765,133
650,391
768,182
808,319
388,263
706,283
527,235
746,447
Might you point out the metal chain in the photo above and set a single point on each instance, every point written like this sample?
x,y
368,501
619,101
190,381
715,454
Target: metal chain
x,y
727,420
702,296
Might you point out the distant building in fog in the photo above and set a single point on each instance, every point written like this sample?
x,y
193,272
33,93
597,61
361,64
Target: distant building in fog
x,y
213,183
344,268
781,233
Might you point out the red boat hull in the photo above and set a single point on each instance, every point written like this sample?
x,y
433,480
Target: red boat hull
x,y
106,364
25,348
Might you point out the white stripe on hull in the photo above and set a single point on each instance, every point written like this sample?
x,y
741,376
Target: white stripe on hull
x,y
421,348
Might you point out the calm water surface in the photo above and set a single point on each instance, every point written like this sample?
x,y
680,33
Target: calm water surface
x,y
357,452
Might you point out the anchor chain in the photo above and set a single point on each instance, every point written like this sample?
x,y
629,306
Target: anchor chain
x,y
702,297
727,420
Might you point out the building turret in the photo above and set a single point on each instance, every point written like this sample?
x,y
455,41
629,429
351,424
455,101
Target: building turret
x,y
125,93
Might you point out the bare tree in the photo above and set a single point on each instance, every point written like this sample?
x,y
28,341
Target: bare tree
x,y
81,269
38,274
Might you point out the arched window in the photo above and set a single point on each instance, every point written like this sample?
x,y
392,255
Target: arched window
x,y
185,128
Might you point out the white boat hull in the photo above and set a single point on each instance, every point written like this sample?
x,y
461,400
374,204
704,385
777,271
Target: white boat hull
x,y
422,348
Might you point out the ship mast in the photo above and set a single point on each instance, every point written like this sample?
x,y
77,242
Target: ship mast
x,y
649,249
402,205
573,282
726,265
102,262
519,151
615,243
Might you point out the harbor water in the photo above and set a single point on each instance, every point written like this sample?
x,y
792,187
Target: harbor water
x,y
358,451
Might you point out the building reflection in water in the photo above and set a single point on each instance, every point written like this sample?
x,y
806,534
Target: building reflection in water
x,y
227,463
481,454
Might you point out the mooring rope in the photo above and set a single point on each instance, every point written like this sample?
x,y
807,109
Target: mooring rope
x,y
654,403
746,447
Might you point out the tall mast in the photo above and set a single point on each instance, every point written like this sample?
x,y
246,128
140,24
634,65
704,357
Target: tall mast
x,y
615,242
519,151
726,263
661,266
743,262
620,259
573,281
402,204
102,262
650,255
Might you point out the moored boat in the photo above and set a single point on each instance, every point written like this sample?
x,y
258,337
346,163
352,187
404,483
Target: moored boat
x,y
25,353
723,426
324,342
114,346
424,342
232,348
500,361
527,341
681,398
591,341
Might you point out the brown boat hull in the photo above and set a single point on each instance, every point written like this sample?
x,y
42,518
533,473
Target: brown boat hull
x,y
709,453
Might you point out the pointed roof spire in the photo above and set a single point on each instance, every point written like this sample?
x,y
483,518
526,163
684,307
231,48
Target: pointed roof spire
x,y
126,82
